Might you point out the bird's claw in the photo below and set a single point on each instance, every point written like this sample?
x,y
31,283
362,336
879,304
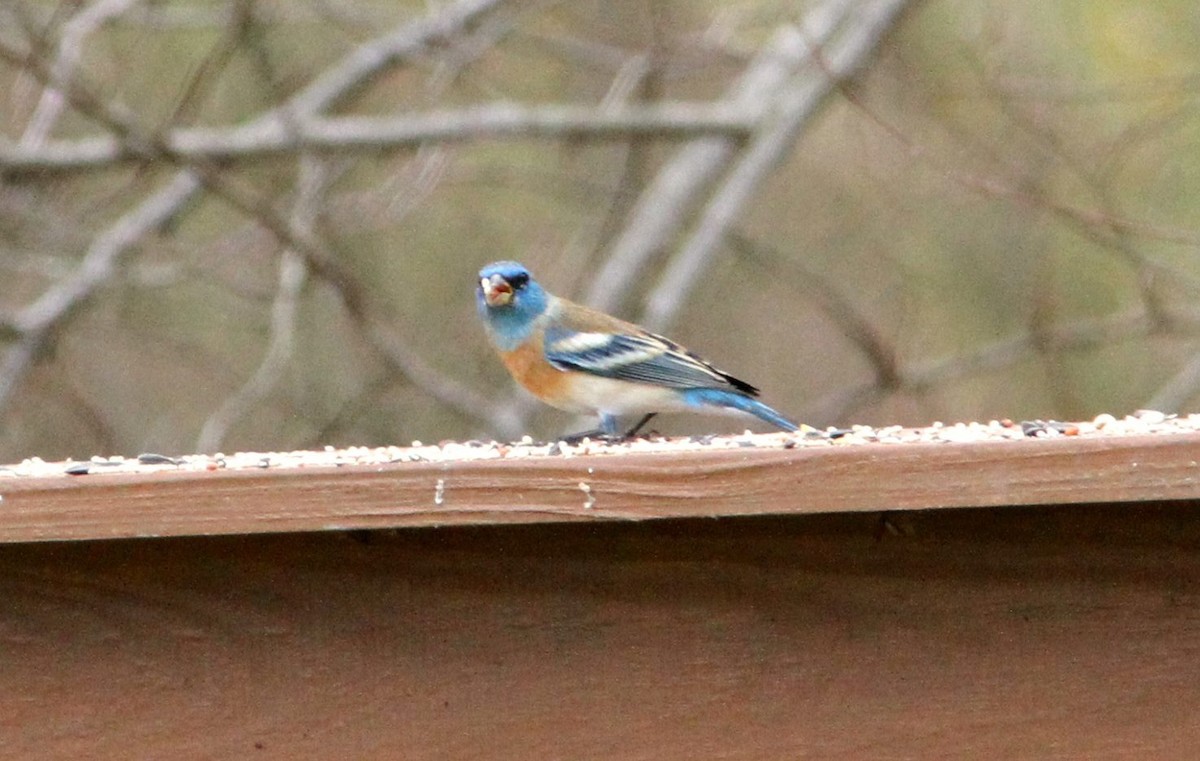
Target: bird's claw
x,y
597,434
607,436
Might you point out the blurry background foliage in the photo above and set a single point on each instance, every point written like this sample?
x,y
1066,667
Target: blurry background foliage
x,y
995,216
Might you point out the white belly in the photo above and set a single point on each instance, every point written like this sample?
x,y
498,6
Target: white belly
x,y
595,394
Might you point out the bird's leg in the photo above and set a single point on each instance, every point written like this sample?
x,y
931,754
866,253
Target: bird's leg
x,y
594,433
639,424
608,430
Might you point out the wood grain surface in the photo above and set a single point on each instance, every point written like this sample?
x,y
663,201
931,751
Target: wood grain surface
x,y
751,481
1047,633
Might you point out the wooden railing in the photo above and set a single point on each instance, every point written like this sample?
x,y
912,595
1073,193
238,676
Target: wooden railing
x,y
848,620
749,475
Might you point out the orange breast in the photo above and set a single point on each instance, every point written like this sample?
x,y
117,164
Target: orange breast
x,y
529,367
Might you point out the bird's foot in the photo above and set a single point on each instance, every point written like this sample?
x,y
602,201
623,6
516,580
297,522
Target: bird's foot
x,y
639,425
596,434
608,436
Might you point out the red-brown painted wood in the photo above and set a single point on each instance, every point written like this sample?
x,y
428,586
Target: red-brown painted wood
x,y
751,481
1056,633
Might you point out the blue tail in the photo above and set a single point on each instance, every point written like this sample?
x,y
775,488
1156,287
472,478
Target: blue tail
x,y
715,397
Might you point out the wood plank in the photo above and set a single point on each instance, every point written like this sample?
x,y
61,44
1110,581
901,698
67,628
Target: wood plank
x,y
634,486
1008,633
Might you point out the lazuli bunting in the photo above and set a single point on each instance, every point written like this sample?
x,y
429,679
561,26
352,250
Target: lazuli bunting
x,y
584,361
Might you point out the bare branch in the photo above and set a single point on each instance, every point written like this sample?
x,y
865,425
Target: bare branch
x,y
671,213
365,61
336,83
36,322
276,135
629,77
70,49
918,377
825,296
1072,336
660,212
1101,226
357,301
497,413
864,26
311,184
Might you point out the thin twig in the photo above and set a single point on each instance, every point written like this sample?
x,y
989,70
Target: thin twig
x,y
69,50
663,207
311,186
861,32
1080,335
37,322
368,59
825,296
1082,218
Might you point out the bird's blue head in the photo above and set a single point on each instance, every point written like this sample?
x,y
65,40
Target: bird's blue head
x,y
509,300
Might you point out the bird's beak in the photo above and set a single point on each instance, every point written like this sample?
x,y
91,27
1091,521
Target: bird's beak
x,y
496,291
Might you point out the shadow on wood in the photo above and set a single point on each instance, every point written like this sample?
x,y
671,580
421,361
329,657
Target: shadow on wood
x,y
1048,632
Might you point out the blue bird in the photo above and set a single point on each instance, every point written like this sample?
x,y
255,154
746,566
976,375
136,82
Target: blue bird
x,y
583,361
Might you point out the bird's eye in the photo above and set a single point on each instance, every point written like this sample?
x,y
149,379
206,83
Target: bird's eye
x,y
518,281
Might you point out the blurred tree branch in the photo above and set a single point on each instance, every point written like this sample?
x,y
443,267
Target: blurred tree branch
x,y
317,171
69,49
661,210
1105,226
893,375
285,135
857,30
293,272
36,323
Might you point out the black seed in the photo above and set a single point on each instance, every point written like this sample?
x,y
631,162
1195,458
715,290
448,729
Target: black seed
x,y
149,458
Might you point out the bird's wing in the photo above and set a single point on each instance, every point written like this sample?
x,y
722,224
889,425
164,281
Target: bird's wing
x,y
634,356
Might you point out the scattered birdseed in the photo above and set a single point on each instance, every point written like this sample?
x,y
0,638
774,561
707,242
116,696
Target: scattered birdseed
x,y
1104,425
149,458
